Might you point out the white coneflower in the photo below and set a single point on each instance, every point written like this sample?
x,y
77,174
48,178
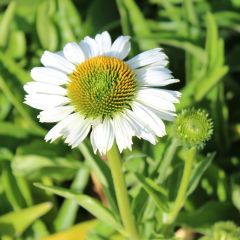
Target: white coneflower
x,y
89,88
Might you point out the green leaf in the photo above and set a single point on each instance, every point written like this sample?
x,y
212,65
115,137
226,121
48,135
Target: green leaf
x,y
103,173
141,29
198,171
68,211
90,204
35,167
211,40
6,22
156,192
207,215
45,27
15,223
10,185
12,130
95,22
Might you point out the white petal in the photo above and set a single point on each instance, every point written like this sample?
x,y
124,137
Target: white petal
x,y
140,127
56,61
155,101
89,47
78,132
149,76
45,101
169,95
152,120
123,132
121,47
102,136
148,57
49,75
39,87
55,114
57,130
104,43
73,53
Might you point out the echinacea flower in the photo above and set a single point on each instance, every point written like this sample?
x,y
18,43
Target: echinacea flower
x,y
89,88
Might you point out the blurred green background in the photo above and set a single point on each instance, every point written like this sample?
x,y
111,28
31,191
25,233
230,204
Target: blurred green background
x,y
202,40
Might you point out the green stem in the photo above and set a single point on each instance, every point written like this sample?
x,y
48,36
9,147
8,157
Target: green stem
x,y
120,187
179,202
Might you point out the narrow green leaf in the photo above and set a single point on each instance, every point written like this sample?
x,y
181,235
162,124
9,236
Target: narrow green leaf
x,y
68,211
6,22
11,187
141,28
198,171
15,223
156,192
211,40
44,25
90,204
209,82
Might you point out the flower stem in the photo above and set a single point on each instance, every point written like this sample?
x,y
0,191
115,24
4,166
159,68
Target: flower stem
x,y
120,187
181,195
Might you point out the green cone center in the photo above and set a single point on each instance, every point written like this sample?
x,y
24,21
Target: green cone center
x,y
102,86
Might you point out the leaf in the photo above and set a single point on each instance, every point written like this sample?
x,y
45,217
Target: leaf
x,y
198,171
12,130
90,204
156,192
211,40
103,173
140,29
35,167
6,22
68,211
45,27
17,38
207,215
15,223
11,187
81,230
95,22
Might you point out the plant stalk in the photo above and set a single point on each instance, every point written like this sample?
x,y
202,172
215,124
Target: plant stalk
x,y
181,195
120,187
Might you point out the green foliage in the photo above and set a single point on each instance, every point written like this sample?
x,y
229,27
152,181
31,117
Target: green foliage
x,y
201,38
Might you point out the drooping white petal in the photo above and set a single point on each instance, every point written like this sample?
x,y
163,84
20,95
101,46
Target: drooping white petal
x,y
57,130
55,114
155,101
45,101
75,134
102,136
73,53
56,61
121,47
49,75
140,127
148,57
152,120
104,43
123,132
40,87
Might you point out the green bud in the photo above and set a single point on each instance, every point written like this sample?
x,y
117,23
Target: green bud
x,y
193,128
223,230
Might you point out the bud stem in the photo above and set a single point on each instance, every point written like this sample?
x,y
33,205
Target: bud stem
x,y
182,192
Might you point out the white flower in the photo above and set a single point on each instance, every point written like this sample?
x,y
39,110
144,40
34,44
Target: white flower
x,y
88,88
